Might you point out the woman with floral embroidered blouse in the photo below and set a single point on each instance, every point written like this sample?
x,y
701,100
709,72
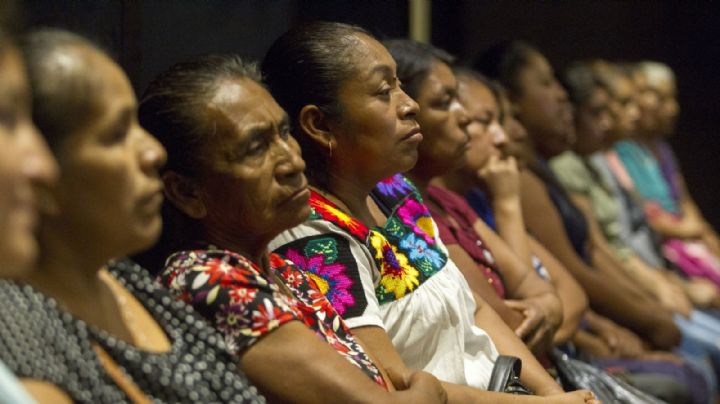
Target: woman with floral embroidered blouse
x,y
370,241
234,180
425,73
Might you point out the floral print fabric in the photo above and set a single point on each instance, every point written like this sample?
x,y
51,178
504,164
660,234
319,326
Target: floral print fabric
x,y
244,304
404,249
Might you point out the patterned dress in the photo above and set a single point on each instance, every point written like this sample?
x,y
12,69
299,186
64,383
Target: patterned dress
x,y
244,304
398,277
40,340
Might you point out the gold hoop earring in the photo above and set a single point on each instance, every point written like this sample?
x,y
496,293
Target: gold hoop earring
x,y
330,147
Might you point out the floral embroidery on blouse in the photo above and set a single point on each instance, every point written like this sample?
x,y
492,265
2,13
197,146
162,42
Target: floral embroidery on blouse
x,y
244,304
394,186
417,216
319,262
396,275
405,250
333,214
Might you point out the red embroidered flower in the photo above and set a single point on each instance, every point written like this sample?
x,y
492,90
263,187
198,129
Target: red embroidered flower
x,y
328,211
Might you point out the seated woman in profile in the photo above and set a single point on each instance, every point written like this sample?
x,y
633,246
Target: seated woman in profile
x,y
612,346
72,329
639,172
548,211
482,256
25,163
490,183
235,177
657,90
542,106
370,242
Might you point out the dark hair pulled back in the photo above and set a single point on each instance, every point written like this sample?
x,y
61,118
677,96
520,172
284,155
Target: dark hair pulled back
x,y
307,65
581,80
414,62
173,107
504,62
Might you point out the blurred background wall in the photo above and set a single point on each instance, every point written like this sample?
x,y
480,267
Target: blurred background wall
x,y
148,36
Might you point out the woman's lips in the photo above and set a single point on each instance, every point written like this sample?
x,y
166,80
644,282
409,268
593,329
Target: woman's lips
x,y
301,194
152,201
413,136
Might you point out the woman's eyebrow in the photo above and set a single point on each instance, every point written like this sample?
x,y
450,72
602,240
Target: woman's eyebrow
x,y
384,70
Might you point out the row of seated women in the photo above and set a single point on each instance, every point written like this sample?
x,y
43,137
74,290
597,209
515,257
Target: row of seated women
x,y
421,234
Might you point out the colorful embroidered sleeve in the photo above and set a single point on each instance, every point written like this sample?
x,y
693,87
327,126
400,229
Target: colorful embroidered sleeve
x,y
340,267
230,292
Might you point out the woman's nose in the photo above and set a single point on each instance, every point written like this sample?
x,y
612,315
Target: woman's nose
x,y
408,108
462,115
38,163
499,137
152,153
290,158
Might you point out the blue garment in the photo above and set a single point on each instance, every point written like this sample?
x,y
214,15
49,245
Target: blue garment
x,y
644,169
11,391
481,205
701,344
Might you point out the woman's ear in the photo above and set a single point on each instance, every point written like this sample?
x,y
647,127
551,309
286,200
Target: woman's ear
x,y
183,193
314,123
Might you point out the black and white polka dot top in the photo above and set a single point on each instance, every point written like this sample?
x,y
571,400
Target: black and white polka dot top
x,y
39,340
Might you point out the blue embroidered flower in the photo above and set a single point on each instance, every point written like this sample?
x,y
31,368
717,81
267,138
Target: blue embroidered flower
x,y
417,249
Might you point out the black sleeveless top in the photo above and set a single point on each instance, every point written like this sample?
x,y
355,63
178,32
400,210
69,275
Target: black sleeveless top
x,y
39,340
573,219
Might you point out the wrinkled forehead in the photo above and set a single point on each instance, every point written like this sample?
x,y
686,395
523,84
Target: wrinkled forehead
x,y
237,107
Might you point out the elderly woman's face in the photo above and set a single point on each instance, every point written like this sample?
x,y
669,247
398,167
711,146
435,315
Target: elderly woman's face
x,y
623,107
377,128
24,161
254,187
443,121
668,108
543,107
487,135
110,192
648,103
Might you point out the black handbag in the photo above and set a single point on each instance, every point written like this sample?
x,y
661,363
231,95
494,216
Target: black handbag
x,y
505,376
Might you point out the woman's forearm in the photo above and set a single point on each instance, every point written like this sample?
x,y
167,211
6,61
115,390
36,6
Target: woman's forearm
x,y
572,297
520,278
533,374
314,374
511,227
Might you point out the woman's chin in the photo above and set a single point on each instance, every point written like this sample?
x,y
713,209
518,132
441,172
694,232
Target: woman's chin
x,y
405,163
17,260
146,236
